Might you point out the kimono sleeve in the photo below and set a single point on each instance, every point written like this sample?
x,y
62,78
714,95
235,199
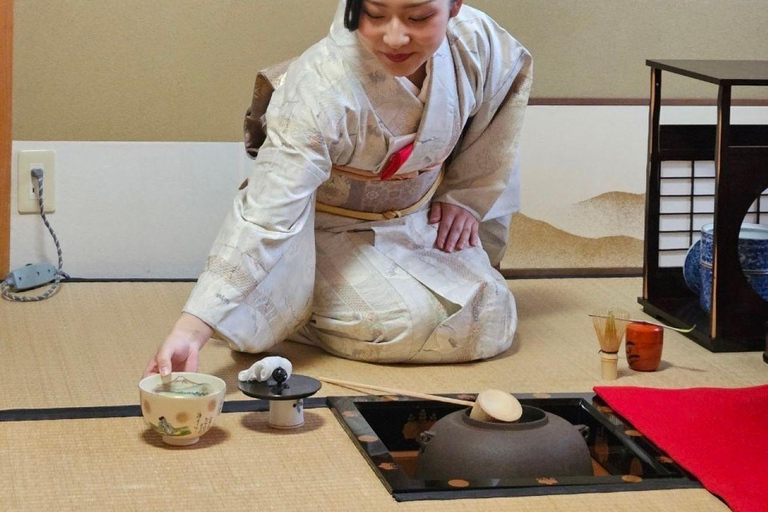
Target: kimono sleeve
x,y
257,284
483,175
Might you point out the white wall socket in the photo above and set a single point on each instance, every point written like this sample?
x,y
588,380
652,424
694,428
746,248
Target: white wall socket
x,y
27,185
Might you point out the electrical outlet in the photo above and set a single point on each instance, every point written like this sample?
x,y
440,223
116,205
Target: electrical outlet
x,y
27,185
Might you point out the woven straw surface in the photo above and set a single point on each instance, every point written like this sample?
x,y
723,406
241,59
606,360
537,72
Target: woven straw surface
x,y
241,464
89,344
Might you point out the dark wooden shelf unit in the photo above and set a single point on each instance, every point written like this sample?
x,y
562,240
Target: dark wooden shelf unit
x,y
739,315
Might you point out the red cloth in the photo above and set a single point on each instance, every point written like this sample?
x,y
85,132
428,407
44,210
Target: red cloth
x,y
719,435
396,161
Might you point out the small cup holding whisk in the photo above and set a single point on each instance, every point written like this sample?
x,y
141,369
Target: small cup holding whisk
x,y
610,326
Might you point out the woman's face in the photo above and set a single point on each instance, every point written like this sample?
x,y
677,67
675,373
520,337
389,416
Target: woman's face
x,y
404,34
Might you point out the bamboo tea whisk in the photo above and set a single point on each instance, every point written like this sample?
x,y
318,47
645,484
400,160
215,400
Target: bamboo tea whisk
x,y
610,334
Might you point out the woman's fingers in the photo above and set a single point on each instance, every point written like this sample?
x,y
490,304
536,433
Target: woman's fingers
x,y
164,357
455,233
191,363
444,229
466,234
474,238
435,213
181,349
151,368
457,229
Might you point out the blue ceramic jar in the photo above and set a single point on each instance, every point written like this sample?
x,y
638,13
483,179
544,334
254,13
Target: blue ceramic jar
x,y
753,256
692,268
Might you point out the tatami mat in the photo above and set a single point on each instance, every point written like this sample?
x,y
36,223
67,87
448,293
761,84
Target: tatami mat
x,y
241,464
88,345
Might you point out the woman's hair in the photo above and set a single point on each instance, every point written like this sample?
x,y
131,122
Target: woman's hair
x,y
352,14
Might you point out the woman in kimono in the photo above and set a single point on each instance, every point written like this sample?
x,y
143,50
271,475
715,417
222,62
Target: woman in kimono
x,y
379,203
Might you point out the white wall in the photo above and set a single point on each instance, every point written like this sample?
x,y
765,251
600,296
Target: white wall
x,y
139,210
578,152
152,210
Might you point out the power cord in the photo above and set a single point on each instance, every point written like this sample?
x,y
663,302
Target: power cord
x,y
32,276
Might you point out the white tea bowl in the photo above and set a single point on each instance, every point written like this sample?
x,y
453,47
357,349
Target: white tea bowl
x,y
183,408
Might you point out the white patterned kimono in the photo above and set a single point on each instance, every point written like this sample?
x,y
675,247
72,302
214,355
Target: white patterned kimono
x,y
376,291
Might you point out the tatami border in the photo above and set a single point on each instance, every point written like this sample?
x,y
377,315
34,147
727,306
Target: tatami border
x,y
130,411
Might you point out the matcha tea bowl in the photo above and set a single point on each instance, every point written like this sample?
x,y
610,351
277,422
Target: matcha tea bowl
x,y
183,407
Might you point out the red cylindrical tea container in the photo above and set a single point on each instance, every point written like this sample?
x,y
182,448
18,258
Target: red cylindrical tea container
x,y
644,344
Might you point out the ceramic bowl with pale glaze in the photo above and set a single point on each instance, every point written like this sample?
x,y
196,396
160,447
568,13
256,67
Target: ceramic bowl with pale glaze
x,y
184,409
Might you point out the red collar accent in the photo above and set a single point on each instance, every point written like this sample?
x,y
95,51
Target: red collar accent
x,y
396,161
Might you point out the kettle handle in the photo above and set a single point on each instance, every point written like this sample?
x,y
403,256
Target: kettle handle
x,y
424,438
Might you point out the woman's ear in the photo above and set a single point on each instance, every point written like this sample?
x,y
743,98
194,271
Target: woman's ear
x,y
456,7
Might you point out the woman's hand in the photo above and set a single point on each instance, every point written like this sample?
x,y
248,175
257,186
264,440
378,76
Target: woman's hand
x,y
180,349
457,227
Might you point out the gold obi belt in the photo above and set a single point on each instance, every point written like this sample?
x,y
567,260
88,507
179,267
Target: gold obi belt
x,y
361,195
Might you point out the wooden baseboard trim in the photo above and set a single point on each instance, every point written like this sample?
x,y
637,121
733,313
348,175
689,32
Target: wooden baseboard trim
x,y
569,273
608,102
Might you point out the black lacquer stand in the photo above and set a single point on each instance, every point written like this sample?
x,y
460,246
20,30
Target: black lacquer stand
x,y
286,404
738,317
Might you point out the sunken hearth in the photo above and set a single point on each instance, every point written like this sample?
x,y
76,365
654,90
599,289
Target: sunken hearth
x,y
386,430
